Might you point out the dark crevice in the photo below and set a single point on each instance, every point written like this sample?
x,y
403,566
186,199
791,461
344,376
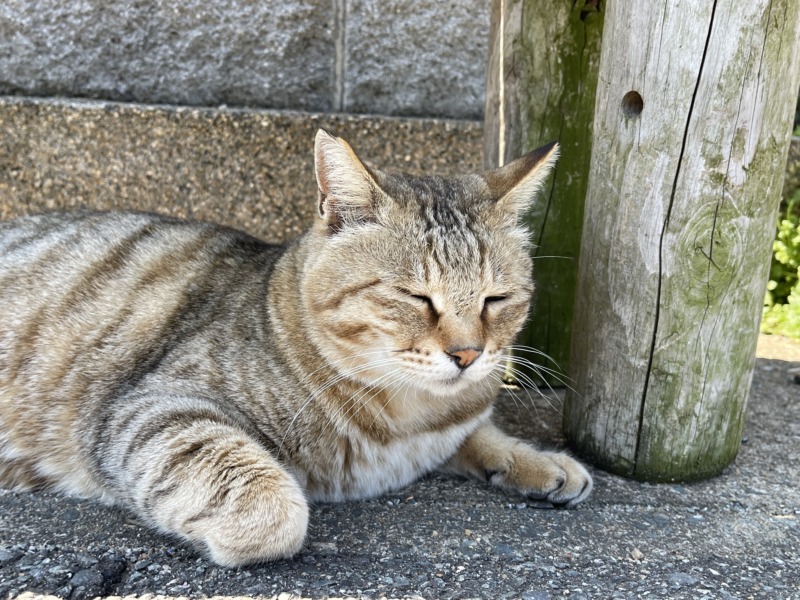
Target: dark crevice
x,y
549,197
648,373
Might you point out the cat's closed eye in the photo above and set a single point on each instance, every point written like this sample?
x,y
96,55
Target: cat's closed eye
x,y
420,299
427,301
494,299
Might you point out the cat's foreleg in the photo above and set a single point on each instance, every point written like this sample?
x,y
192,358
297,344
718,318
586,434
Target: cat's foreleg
x,y
189,472
490,455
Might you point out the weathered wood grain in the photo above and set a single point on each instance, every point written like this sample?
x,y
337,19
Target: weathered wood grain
x,y
680,214
542,77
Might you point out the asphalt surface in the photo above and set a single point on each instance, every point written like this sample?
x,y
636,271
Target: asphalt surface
x,y
737,536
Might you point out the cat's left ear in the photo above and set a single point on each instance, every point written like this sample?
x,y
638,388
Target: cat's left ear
x,y
515,185
346,186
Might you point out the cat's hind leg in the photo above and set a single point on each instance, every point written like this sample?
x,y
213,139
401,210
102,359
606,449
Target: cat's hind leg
x,y
188,468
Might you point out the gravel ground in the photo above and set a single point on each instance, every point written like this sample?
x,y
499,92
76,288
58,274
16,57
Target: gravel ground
x,y
737,536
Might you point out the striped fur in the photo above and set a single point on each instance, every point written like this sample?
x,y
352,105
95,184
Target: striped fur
x,y
215,384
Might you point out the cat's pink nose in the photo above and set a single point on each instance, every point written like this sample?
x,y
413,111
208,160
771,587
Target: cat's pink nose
x,y
464,357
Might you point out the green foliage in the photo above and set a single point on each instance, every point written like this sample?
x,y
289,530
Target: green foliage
x,y
782,304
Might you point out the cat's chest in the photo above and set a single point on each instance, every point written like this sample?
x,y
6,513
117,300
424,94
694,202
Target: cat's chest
x,y
367,468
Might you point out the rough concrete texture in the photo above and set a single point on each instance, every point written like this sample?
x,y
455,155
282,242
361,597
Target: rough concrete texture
x,y
737,536
248,169
238,52
398,57
433,61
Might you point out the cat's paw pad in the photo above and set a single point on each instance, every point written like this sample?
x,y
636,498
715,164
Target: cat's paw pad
x,y
552,476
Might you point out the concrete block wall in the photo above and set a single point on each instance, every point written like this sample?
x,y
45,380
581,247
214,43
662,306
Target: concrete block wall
x,y
422,58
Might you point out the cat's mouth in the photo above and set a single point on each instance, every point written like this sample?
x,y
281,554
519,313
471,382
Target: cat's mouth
x,y
457,381
454,384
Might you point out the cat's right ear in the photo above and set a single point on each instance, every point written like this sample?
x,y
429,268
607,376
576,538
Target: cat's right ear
x,y
515,185
346,187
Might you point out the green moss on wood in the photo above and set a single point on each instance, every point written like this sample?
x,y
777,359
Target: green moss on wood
x,y
559,55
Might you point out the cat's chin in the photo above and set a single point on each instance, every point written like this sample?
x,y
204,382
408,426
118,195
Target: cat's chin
x,y
453,386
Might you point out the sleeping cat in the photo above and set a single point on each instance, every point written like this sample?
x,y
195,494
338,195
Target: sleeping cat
x,y
215,384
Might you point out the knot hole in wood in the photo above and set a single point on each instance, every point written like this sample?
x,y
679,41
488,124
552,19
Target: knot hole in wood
x,y
632,104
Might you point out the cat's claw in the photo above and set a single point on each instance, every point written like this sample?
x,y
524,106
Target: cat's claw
x,y
555,477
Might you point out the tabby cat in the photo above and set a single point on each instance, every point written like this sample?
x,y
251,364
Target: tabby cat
x,y
215,384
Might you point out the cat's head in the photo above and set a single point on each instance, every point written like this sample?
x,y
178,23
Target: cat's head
x,y
419,280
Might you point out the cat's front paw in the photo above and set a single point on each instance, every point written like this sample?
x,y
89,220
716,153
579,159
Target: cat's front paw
x,y
552,476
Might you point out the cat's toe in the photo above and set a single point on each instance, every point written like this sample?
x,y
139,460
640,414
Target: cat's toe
x,y
551,476
577,483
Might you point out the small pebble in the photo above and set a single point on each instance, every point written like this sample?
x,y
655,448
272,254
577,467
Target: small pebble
x,y
86,577
7,556
680,579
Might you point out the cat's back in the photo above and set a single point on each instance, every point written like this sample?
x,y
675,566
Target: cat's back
x,y
71,243
72,284
61,269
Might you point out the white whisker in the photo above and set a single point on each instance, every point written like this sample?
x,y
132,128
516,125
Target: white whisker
x,y
529,380
529,383
538,369
404,377
359,400
343,375
517,400
352,358
521,348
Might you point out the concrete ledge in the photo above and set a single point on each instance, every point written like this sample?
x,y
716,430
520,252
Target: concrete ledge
x,y
248,169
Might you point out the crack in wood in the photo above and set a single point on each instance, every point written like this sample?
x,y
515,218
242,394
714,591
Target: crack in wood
x,y
710,259
659,284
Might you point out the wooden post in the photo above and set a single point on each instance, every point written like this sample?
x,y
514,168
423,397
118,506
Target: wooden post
x,y
691,131
542,78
